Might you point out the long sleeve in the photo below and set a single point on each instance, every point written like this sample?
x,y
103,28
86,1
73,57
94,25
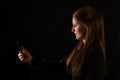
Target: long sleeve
x,y
49,63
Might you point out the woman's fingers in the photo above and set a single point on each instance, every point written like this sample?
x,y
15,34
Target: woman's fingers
x,y
24,55
21,56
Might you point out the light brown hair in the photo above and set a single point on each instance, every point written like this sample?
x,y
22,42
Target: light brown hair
x,y
94,22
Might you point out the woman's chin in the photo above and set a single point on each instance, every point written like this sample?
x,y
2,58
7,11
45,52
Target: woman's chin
x,y
77,38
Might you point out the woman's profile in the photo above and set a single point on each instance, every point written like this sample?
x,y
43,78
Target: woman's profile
x,y
87,60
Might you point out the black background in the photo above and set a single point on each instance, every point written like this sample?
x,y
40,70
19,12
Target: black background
x,y
44,28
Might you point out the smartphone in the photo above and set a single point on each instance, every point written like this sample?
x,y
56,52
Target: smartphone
x,y
19,46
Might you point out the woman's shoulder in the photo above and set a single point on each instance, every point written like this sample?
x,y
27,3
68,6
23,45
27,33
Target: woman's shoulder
x,y
94,50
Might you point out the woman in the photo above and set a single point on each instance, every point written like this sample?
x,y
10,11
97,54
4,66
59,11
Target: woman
x,y
87,60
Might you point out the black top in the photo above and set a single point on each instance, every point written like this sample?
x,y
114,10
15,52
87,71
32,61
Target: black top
x,y
93,66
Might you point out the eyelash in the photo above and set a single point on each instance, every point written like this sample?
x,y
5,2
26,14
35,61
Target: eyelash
x,y
74,25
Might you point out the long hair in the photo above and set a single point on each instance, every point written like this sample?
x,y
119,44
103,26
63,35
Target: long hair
x,y
95,33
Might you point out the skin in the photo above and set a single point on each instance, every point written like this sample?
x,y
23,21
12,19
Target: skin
x,y
78,29
24,55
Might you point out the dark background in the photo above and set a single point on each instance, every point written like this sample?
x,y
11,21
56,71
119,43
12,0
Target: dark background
x,y
44,28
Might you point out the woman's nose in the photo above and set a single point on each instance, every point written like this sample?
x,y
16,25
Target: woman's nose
x,y
72,29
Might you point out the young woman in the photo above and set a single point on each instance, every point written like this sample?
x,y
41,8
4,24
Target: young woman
x,y
87,59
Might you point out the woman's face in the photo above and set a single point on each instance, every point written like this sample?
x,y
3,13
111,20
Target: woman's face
x,y
78,29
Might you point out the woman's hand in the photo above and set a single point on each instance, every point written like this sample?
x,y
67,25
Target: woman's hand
x,y
24,55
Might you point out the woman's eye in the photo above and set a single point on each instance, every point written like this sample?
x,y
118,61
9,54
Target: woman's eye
x,y
75,25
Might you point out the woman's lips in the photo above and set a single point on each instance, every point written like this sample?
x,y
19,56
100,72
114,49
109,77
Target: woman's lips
x,y
75,33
